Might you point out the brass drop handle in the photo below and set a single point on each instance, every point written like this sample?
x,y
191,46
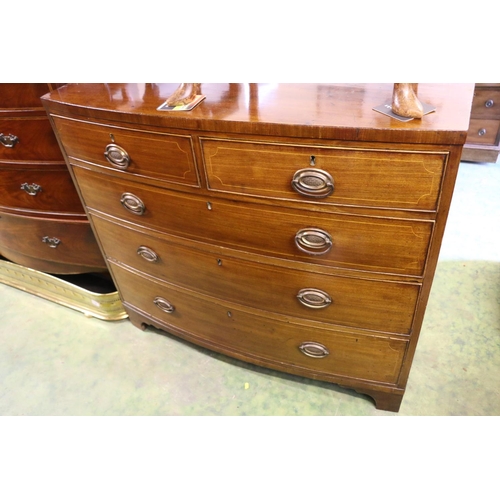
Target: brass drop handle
x,y
313,182
117,156
132,203
9,141
31,189
314,298
51,241
313,241
164,305
314,349
147,254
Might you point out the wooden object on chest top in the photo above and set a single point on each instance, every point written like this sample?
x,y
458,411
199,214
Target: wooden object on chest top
x,y
289,226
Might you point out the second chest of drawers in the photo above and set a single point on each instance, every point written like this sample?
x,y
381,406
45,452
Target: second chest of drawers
x,y
43,224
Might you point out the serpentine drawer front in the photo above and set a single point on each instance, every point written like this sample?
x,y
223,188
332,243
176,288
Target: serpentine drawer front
x,y
298,232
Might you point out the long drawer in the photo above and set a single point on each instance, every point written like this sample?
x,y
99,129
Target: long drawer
x,y
29,139
361,303
251,336
365,177
357,242
41,188
65,245
149,155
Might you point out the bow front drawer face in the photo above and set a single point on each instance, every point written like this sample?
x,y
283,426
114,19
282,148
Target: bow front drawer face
x,y
28,140
358,177
56,246
378,244
363,303
150,156
233,329
40,189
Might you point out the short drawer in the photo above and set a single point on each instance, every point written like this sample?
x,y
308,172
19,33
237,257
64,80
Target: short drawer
x,y
362,303
154,156
483,132
59,246
358,242
486,104
28,139
375,178
227,328
47,188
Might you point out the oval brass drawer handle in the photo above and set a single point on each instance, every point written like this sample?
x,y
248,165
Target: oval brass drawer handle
x,y
164,305
52,242
314,349
117,156
9,141
314,298
313,182
313,241
147,254
31,189
133,203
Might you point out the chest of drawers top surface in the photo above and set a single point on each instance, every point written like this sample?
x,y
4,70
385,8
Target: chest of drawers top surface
x,y
327,111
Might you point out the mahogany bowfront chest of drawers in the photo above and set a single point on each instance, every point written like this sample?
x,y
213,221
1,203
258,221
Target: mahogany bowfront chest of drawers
x,y
43,224
289,226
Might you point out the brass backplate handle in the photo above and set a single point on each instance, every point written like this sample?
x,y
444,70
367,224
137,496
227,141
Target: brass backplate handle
x,y
31,189
147,254
314,298
51,241
313,241
9,141
164,305
313,182
314,349
132,203
117,156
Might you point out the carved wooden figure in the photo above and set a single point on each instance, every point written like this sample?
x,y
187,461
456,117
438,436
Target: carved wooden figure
x,y
405,101
184,94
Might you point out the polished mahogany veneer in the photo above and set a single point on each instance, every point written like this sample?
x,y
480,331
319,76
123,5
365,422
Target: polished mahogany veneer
x,y
287,225
43,224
